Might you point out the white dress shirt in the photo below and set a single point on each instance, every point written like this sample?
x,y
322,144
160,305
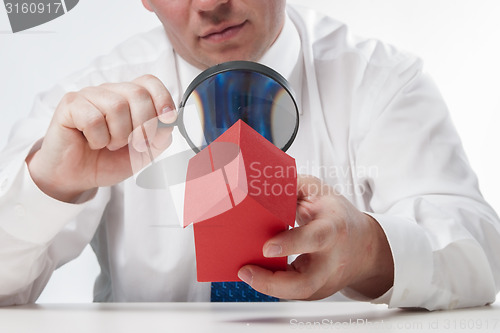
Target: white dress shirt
x,y
372,125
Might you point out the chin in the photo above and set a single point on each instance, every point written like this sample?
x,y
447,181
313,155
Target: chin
x,y
234,57
233,53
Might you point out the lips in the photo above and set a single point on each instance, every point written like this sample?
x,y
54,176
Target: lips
x,y
223,33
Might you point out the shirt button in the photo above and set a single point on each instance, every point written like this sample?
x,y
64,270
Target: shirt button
x,y
19,209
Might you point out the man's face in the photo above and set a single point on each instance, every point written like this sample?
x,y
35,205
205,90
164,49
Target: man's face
x,y
209,32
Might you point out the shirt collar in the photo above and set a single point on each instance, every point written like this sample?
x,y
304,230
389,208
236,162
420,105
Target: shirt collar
x,y
285,52
285,57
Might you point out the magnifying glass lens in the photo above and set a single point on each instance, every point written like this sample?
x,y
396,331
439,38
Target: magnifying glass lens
x,y
219,100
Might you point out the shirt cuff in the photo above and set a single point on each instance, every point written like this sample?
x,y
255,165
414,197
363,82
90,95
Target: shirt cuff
x,y
413,261
29,214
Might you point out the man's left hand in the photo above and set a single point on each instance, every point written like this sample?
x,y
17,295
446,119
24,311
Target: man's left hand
x,y
338,247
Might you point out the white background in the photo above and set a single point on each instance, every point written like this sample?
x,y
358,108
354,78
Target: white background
x,y
459,41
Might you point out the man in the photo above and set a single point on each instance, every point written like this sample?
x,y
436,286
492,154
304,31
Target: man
x,y
396,217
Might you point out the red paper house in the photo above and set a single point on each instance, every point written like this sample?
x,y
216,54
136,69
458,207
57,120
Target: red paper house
x,y
240,191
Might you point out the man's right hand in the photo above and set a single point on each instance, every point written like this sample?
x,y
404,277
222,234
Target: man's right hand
x,y
87,143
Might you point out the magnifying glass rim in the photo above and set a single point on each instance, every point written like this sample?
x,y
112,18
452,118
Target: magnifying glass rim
x,y
237,66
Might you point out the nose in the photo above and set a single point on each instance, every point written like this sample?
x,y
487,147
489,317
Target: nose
x,y
208,5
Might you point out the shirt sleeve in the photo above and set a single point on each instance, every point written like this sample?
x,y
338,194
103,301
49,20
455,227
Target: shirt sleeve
x,y
37,233
444,237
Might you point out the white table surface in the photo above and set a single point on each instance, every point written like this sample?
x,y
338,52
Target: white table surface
x,y
242,317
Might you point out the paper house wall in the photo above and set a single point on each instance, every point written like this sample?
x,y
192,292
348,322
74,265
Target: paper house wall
x,y
240,191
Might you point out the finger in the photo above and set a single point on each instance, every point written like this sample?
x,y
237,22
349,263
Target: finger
x,y
87,118
312,237
139,154
162,100
305,212
139,100
162,140
156,139
116,111
144,148
310,187
141,109
301,282
306,186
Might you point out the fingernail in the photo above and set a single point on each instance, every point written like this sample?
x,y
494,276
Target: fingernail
x,y
168,115
273,250
246,275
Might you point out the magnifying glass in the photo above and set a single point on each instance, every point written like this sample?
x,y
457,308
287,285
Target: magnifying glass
x,y
215,100
226,93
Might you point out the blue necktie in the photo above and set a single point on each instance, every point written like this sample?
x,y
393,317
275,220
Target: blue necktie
x,y
232,101
237,292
